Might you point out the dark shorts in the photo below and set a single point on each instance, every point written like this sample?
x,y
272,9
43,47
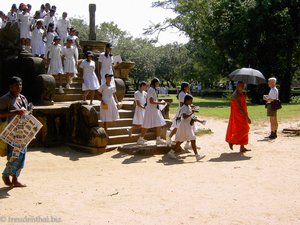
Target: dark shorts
x,y
270,111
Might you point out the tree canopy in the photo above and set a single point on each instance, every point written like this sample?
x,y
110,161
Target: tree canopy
x,y
165,62
229,34
224,35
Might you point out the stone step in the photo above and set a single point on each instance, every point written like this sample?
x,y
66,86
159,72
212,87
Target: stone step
x,y
121,139
129,95
113,131
75,90
123,122
128,105
73,85
128,99
64,78
122,113
67,97
87,149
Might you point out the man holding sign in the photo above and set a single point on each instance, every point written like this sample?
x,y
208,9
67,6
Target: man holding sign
x,y
12,104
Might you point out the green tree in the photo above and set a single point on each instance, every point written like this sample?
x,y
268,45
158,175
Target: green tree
x,y
229,34
82,27
110,32
171,63
140,51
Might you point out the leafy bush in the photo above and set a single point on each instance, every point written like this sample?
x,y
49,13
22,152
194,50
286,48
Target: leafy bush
x,y
295,99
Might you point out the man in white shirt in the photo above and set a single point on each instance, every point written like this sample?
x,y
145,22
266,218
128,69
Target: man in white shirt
x,y
272,113
63,28
12,14
50,19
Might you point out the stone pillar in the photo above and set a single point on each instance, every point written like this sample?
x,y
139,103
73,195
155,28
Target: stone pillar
x,y
92,9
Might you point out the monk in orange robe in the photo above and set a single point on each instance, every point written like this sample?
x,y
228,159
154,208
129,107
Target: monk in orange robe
x,y
238,126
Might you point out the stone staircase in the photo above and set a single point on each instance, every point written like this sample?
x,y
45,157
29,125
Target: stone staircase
x,y
117,130
73,94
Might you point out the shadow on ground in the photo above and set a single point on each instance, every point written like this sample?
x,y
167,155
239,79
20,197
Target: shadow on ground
x,y
129,159
167,161
4,192
230,157
63,151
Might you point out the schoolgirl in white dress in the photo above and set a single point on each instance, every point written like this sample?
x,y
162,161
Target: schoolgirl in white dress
x,y
185,131
50,36
106,64
24,20
55,66
37,42
70,62
90,80
75,39
34,19
153,116
139,112
109,102
184,90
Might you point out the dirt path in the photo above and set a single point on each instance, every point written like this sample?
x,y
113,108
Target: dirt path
x,y
69,187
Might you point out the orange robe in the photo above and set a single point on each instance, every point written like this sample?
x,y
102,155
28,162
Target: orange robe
x,y
238,127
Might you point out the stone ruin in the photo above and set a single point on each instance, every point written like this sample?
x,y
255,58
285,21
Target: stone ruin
x,y
76,122
68,121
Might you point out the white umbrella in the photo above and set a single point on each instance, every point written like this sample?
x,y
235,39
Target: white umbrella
x,y
248,76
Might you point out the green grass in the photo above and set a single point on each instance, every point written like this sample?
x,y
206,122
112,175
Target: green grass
x,y
202,132
219,108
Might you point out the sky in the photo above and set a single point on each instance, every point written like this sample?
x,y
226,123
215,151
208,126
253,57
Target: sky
x,y
130,15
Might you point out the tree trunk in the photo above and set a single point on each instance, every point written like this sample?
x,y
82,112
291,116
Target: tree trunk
x,y
285,85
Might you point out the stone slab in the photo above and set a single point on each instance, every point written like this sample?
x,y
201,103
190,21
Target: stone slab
x,y
150,148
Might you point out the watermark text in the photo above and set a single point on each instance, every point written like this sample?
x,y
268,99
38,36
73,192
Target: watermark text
x,y
30,219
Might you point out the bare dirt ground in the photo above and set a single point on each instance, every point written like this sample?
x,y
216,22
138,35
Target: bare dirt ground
x,y
226,187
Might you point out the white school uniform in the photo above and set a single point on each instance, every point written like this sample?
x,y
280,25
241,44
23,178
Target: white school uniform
x,y
90,80
106,67
50,38
153,116
74,39
110,114
12,16
139,112
24,23
2,23
37,43
62,29
181,96
185,132
48,19
69,60
55,66
43,14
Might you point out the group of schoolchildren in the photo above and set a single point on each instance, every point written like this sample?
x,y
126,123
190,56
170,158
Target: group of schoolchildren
x,y
46,36
37,31
148,115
